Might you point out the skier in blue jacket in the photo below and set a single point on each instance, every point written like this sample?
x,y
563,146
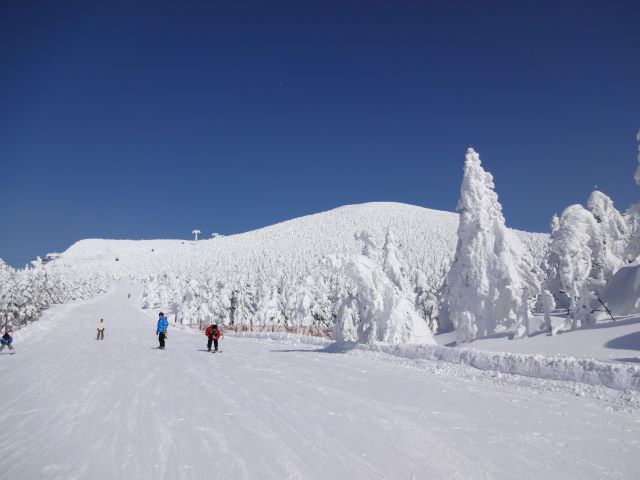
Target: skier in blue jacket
x,y
161,330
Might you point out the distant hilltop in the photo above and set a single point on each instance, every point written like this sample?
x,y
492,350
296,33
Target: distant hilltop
x,y
427,237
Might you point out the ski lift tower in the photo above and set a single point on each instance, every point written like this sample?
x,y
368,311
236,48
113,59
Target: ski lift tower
x,y
195,233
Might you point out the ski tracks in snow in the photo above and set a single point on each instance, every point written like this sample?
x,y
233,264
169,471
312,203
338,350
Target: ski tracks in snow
x,y
77,408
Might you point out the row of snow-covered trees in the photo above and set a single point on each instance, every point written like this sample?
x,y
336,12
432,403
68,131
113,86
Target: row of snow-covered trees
x,y
25,293
370,297
493,278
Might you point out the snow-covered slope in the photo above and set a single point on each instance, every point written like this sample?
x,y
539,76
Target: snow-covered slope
x,y
427,237
74,407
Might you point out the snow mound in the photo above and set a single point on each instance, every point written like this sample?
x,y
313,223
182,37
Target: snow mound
x,y
622,294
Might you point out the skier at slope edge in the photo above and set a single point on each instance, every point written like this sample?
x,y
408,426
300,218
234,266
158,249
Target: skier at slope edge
x,y
7,339
213,334
161,330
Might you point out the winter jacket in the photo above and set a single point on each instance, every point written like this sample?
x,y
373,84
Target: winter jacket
x,y
216,333
163,323
6,339
100,325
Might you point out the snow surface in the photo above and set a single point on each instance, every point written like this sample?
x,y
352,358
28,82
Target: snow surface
x,y
607,341
74,407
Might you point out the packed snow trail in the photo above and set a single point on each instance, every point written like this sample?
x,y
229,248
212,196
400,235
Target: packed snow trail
x,y
77,408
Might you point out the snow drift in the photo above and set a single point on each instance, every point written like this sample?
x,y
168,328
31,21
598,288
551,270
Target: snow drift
x,y
622,294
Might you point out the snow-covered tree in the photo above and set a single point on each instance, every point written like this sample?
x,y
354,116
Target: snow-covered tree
x,y
637,175
269,315
632,216
304,305
242,301
375,303
427,286
394,264
491,267
577,245
370,247
586,248
614,232
346,328
548,304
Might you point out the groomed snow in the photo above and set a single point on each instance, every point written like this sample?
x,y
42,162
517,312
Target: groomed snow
x,y
74,407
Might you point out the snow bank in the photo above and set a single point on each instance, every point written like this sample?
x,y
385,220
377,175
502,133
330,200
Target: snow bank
x,y
616,375
621,376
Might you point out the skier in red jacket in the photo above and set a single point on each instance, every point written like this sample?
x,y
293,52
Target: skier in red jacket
x,y
213,334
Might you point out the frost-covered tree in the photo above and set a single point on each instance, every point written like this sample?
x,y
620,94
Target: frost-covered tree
x,y
7,275
347,323
550,266
269,315
221,301
427,285
375,303
577,245
243,301
637,175
586,248
394,265
304,306
491,267
370,247
614,232
548,304
632,216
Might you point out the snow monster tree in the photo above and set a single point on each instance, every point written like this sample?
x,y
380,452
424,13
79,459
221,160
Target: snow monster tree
x,y
484,287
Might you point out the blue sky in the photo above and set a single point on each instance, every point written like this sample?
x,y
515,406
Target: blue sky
x,y
147,119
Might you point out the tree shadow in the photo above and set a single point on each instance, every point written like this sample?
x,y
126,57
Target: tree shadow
x,y
625,342
628,359
333,348
611,324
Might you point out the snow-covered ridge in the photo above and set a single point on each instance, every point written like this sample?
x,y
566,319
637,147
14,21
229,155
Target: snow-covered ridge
x,y
426,236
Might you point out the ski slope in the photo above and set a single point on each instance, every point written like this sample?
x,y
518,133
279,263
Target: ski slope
x,y
77,408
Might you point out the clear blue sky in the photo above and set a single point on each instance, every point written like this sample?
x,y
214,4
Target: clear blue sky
x,y
141,119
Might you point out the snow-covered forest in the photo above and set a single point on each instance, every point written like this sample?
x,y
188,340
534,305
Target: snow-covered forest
x,y
25,293
377,272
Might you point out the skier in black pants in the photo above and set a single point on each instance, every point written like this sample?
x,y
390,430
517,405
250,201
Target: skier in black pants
x,y
213,334
161,330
